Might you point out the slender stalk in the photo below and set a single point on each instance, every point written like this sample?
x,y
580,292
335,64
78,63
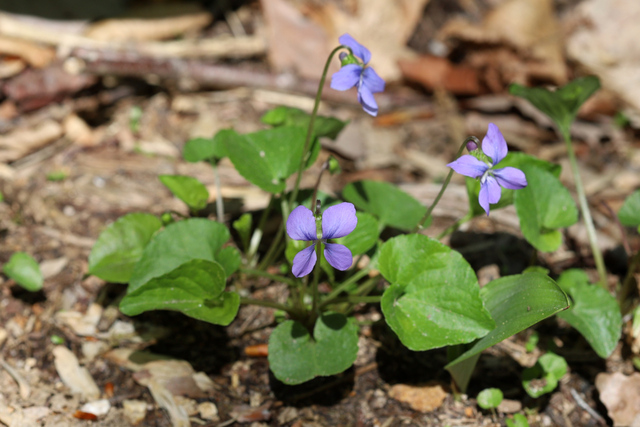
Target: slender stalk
x,y
262,273
312,120
344,285
258,233
354,299
269,304
219,201
444,185
316,277
276,248
325,166
586,212
453,227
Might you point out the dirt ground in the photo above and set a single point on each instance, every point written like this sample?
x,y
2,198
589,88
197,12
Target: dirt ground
x,y
98,166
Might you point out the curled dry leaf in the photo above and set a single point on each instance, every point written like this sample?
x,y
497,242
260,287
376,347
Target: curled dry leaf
x,y
77,378
439,73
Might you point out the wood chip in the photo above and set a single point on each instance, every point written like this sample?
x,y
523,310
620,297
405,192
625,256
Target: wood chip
x,y
77,378
425,398
34,55
21,142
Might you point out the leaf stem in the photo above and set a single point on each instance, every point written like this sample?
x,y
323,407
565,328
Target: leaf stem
x,y
219,201
354,299
344,285
444,185
312,120
262,273
586,212
269,304
627,283
256,237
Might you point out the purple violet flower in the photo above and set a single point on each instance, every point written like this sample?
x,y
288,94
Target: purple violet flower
x,y
337,221
495,148
358,75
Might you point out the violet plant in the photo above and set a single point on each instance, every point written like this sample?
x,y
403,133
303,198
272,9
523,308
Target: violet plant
x,y
428,293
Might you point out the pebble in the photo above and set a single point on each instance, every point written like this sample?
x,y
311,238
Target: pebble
x,y
134,410
208,411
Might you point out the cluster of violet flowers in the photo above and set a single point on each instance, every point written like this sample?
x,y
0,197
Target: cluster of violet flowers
x,y
340,220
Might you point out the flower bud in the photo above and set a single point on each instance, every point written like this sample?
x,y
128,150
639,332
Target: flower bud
x,y
472,146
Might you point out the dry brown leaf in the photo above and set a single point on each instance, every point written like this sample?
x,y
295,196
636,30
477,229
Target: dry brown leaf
x,y
605,42
621,396
77,378
23,141
177,376
434,72
36,56
424,398
528,26
166,401
302,35
147,29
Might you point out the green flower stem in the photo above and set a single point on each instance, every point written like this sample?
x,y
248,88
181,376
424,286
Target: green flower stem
x,y
269,304
262,273
453,227
444,185
584,207
316,277
628,284
312,120
367,286
344,285
355,299
325,166
256,237
219,201
275,247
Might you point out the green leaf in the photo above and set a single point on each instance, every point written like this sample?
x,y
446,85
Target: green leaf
x,y
433,299
296,357
364,237
392,206
267,158
517,160
286,116
630,211
515,303
562,105
518,420
180,242
243,226
543,377
188,189
196,288
25,271
543,207
594,312
490,398
120,246
200,149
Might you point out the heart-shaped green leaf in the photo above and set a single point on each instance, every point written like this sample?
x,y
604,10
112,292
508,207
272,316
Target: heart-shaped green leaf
x,y
188,189
267,158
120,246
563,104
517,160
490,398
180,242
543,377
286,116
630,211
392,206
296,357
516,303
543,207
433,299
243,226
594,312
364,237
200,149
25,271
196,288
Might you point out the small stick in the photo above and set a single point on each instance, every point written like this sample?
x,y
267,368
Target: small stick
x,y
581,403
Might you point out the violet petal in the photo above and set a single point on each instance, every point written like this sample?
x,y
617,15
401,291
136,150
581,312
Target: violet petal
x,y
304,261
511,178
347,77
338,221
468,165
301,224
494,145
490,193
372,80
357,49
338,256
366,99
